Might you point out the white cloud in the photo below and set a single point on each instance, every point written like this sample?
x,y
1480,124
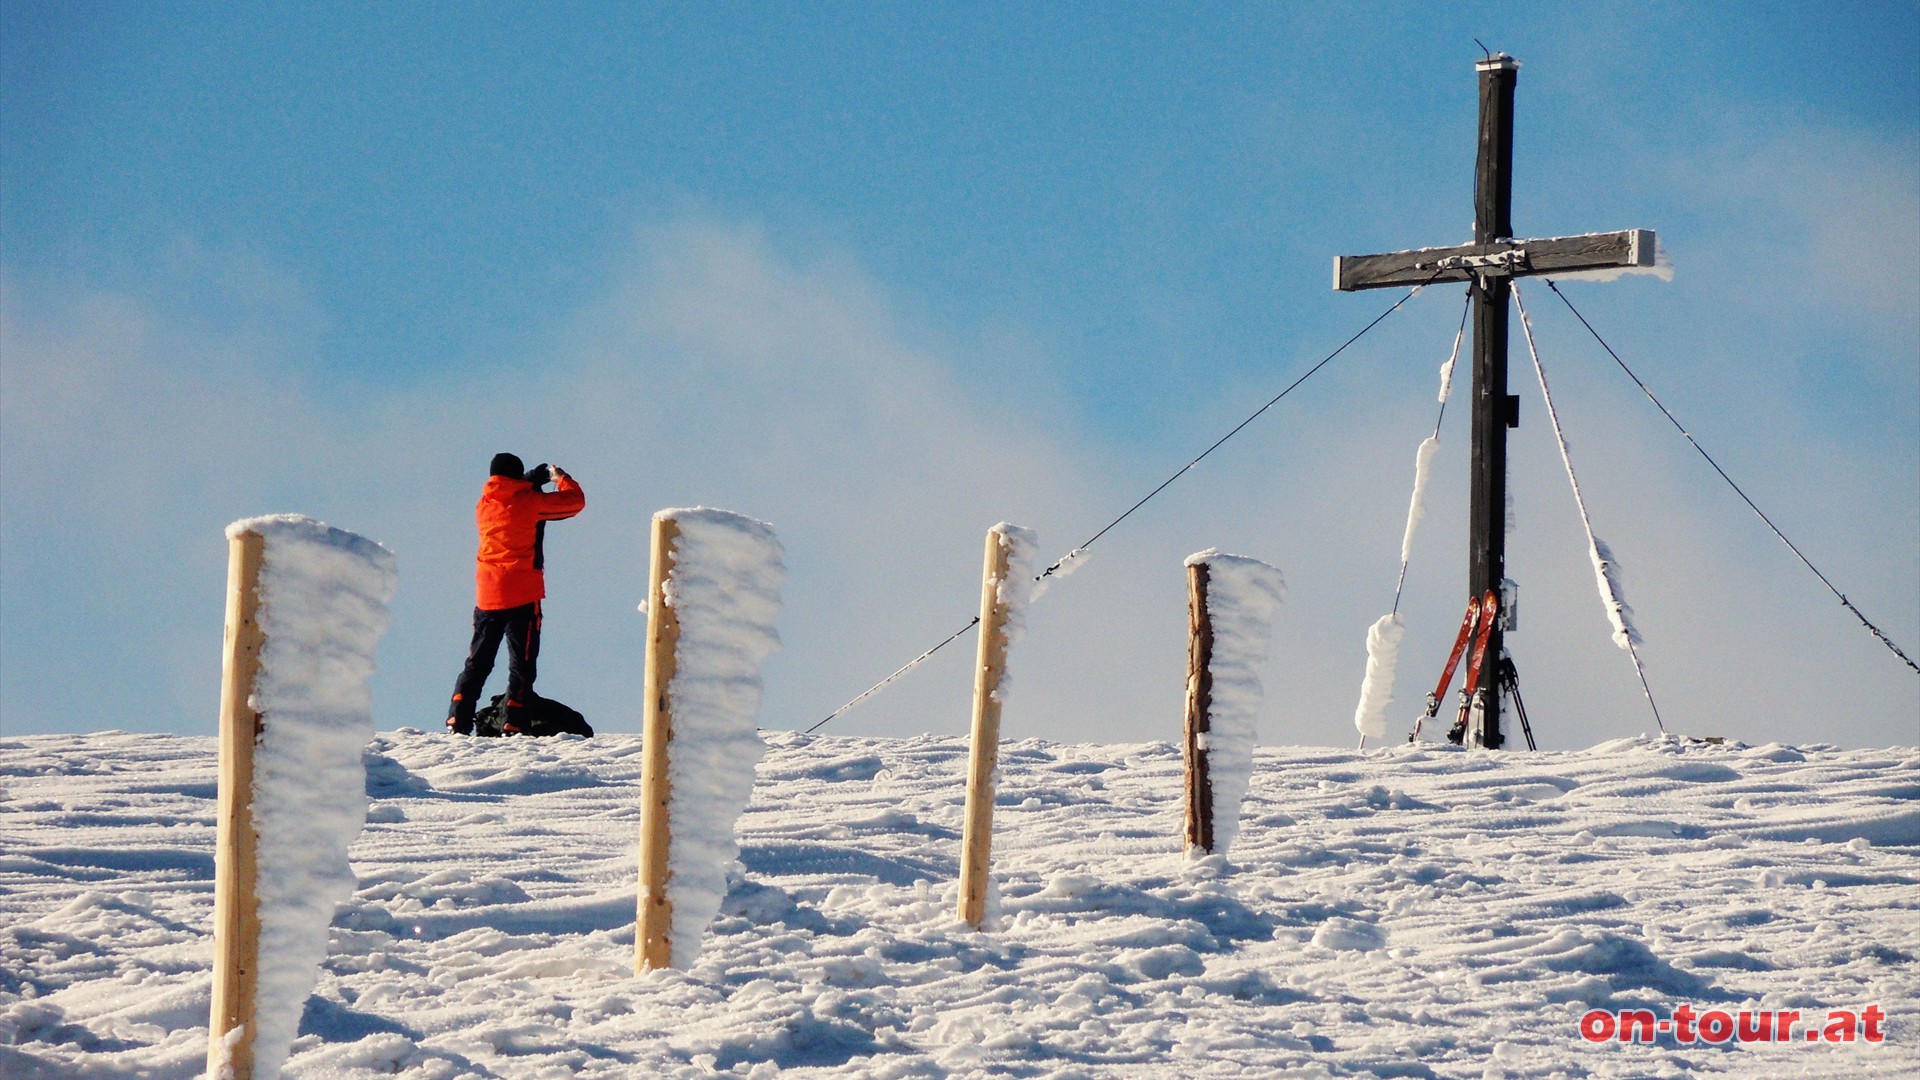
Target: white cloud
x,y
716,367
1803,217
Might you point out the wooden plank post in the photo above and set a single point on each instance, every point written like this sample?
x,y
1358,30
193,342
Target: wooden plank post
x,y
236,909
1199,703
977,840
652,945
1493,410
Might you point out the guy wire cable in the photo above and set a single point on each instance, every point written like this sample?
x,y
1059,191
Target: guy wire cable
x,y
1609,593
1446,392
1844,602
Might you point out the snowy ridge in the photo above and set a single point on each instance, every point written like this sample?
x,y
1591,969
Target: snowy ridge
x,y
323,606
1410,911
724,587
1243,596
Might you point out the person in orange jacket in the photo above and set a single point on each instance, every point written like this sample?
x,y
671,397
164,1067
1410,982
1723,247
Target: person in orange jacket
x,y
510,580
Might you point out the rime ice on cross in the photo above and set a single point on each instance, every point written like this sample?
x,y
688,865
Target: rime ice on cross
x,y
1489,263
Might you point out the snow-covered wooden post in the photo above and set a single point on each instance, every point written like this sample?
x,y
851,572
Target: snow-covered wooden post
x,y
1199,788
305,606
652,948
1231,601
713,590
1006,585
236,916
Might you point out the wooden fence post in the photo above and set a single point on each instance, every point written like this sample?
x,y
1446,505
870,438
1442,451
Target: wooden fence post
x,y
652,947
977,842
236,910
1199,703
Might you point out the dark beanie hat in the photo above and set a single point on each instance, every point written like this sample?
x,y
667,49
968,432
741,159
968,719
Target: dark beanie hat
x,y
506,465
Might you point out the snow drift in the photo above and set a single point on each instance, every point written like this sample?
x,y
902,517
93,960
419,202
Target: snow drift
x,y
1414,910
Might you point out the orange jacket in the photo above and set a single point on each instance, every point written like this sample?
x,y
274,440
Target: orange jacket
x,y
508,571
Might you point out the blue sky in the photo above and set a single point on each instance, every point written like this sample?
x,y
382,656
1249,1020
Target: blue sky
x,y
886,276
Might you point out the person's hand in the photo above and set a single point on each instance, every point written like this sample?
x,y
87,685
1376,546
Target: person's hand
x,y
558,472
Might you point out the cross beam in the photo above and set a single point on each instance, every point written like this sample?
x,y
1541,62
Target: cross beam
x,y
1627,249
1489,264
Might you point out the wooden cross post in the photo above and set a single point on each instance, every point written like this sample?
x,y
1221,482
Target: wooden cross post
x,y
1490,263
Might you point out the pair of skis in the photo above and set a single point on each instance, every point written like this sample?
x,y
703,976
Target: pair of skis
x,y
1475,628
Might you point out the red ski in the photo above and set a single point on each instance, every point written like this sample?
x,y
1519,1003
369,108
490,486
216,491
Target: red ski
x,y
1489,608
1467,624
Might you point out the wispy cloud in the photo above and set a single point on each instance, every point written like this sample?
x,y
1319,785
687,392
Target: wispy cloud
x,y
717,364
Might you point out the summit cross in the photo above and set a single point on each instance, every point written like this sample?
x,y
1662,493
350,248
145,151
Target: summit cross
x,y
1489,264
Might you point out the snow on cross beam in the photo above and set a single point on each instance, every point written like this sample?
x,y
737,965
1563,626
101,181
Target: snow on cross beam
x,y
1629,250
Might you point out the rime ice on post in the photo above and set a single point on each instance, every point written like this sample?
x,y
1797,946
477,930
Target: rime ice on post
x,y
1020,586
715,592
1417,506
1606,574
1376,689
306,605
1235,599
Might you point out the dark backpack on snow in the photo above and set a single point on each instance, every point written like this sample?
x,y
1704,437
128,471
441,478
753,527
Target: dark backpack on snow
x,y
538,716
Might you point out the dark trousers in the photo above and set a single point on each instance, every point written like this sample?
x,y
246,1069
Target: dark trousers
x,y
520,628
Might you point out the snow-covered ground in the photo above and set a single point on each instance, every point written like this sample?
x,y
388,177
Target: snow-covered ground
x,y
1408,911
